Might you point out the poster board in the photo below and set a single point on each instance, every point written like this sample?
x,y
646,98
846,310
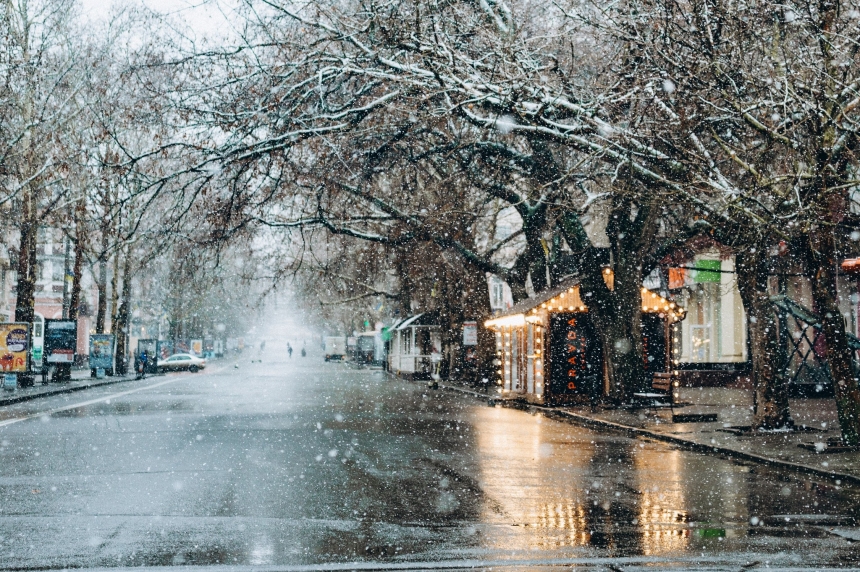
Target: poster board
x,y
165,349
197,347
102,351
61,341
14,347
470,333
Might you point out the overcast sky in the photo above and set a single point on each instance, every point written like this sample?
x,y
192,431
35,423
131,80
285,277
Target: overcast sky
x,y
206,17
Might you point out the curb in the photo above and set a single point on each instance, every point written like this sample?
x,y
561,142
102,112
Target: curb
x,y
591,422
60,390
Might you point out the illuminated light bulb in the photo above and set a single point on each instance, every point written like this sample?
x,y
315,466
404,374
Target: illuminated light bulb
x,y
582,308
543,305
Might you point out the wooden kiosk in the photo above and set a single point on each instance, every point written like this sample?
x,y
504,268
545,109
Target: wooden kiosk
x,y
548,350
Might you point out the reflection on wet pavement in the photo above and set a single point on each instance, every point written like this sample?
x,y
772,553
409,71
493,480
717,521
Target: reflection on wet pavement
x,y
305,463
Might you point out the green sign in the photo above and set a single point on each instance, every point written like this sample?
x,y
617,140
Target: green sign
x,y
707,271
37,354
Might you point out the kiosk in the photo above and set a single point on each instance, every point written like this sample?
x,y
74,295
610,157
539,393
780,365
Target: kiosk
x,y
548,350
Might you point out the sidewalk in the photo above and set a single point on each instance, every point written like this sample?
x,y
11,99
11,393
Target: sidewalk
x,y
817,418
80,380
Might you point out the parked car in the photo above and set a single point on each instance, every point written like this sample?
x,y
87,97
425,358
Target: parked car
x,y
182,361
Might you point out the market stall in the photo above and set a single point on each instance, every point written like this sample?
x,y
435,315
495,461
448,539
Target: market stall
x,y
548,350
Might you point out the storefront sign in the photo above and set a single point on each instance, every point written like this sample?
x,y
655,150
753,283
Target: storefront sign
x,y
470,333
14,344
101,351
61,341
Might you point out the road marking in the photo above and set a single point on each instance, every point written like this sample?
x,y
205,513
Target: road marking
x,y
89,402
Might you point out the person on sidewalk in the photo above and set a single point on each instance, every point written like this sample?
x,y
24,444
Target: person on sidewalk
x,y
143,364
290,350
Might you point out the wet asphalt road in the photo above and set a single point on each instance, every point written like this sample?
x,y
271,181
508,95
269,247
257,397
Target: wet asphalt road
x,y
298,462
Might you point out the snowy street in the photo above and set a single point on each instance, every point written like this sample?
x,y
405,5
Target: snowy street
x,y
296,462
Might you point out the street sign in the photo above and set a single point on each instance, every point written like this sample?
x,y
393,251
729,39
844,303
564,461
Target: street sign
x,y
61,341
14,346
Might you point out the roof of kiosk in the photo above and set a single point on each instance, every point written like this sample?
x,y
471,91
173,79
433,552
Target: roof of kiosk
x,y
423,319
565,297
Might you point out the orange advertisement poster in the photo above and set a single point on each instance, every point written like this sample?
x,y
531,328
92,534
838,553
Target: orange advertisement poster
x,y
14,345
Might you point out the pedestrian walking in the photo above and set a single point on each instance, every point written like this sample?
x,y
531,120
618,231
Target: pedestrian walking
x,y
290,350
142,365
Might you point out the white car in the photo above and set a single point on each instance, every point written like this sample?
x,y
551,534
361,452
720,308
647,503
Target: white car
x,y
182,361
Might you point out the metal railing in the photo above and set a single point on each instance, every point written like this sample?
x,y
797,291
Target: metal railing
x,y
800,363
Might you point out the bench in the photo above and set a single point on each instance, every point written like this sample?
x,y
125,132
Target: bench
x,y
662,393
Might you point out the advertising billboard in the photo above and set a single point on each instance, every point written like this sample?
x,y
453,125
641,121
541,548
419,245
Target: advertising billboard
x,y
165,349
197,347
61,341
101,351
14,345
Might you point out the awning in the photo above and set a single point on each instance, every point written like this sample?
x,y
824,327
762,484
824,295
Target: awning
x,y
405,323
851,266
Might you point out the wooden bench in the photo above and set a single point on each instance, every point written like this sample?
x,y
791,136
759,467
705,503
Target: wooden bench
x,y
662,393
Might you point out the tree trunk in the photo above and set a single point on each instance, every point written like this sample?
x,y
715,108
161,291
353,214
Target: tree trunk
x,y
120,326
25,297
64,371
114,292
101,313
770,389
25,301
839,355
617,314
77,268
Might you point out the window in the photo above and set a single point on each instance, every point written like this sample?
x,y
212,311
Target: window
x,y
497,294
715,328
